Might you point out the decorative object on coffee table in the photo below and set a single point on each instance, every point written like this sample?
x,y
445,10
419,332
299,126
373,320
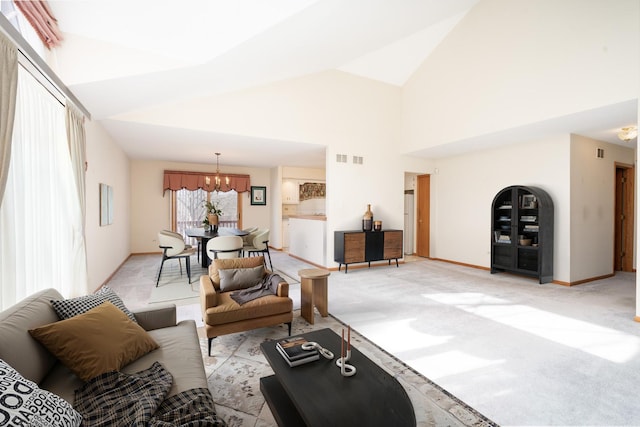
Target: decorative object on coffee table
x,y
346,370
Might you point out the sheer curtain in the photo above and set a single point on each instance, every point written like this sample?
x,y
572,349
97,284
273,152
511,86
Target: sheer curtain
x,y
8,86
40,217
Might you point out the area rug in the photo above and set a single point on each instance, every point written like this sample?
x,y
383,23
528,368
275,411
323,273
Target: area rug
x,y
175,287
237,364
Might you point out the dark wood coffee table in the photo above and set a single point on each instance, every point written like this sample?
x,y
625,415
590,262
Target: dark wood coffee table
x,y
315,394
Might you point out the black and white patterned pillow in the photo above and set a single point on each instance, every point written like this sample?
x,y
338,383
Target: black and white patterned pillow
x,y
68,308
23,403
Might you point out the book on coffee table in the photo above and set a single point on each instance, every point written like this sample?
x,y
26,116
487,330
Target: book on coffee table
x,y
292,352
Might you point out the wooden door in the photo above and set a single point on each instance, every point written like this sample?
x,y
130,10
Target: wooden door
x,y
423,216
624,219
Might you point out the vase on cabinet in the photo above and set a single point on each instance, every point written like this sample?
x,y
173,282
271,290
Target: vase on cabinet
x,y
367,219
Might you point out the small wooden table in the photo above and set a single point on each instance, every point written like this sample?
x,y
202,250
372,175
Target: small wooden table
x,y
313,293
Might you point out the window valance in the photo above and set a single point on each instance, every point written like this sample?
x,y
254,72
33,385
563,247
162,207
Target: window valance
x,y
177,180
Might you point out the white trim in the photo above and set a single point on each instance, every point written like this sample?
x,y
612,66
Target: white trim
x,y
37,67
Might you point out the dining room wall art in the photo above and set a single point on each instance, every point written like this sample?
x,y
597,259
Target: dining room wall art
x,y
258,195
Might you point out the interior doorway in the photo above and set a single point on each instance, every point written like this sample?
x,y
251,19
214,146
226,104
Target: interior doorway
x,y
423,216
624,218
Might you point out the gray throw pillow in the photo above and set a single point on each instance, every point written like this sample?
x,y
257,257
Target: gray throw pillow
x,y
232,279
66,309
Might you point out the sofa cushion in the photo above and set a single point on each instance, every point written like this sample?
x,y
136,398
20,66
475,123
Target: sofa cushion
x,y
17,347
232,279
222,264
23,403
179,353
101,340
72,307
229,311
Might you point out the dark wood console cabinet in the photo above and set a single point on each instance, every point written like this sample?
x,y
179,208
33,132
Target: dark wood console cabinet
x,y
352,247
522,232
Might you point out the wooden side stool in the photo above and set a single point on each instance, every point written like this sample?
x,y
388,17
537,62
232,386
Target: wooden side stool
x,y
313,292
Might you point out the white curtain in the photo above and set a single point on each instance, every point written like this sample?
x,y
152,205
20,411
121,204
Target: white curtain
x,y
40,217
8,86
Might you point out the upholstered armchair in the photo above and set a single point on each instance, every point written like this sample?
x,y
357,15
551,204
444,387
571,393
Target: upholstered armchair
x,y
223,315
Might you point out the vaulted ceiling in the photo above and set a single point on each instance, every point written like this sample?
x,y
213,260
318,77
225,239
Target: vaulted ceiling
x,y
125,56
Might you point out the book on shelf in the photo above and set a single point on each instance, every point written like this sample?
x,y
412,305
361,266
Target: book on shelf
x,y
292,352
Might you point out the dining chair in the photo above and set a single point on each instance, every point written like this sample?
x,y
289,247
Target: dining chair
x,y
251,233
224,247
259,245
174,247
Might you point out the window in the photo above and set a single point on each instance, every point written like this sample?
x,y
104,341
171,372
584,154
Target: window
x,y
188,209
40,215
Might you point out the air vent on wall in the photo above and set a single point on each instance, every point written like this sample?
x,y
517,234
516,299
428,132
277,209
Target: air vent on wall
x,y
600,153
341,158
357,160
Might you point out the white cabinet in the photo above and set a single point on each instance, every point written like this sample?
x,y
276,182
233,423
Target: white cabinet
x,y
307,240
290,192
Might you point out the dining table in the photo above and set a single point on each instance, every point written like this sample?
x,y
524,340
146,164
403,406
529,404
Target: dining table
x,y
204,236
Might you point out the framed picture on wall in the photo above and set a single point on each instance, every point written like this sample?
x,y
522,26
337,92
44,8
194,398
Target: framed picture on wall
x,y
106,204
258,195
529,201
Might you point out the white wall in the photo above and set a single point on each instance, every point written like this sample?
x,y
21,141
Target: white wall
x,y
150,208
593,206
348,114
512,63
107,246
464,188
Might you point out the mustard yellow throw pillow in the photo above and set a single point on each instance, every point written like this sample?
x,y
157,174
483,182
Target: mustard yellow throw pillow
x,y
100,340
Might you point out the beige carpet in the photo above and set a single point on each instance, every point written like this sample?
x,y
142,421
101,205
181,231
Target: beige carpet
x,y
237,364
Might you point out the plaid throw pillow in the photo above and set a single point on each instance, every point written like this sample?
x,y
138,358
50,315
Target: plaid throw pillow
x,y
68,308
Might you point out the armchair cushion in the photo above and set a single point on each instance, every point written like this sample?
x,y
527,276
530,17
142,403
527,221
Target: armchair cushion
x,y
231,263
229,311
232,279
101,340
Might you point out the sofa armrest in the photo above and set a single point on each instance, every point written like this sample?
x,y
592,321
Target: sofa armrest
x,y
208,295
158,317
283,289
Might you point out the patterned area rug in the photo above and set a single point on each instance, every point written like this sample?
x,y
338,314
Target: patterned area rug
x,y
237,364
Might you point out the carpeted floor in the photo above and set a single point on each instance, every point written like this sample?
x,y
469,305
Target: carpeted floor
x,y
518,352
237,364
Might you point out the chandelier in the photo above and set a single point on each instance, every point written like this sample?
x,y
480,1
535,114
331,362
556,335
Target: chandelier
x,y
217,181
